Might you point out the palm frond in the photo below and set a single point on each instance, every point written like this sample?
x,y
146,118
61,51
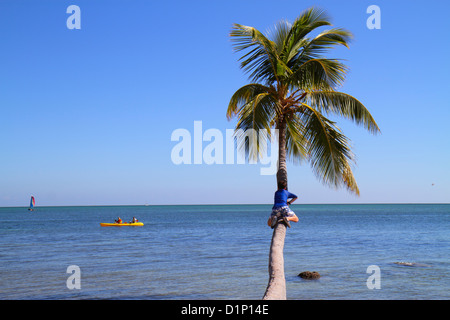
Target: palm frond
x,y
307,57
295,140
256,107
261,60
318,74
308,21
328,149
243,96
345,105
257,113
279,34
314,48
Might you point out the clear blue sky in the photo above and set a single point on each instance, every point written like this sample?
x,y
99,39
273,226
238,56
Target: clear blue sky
x,y
87,115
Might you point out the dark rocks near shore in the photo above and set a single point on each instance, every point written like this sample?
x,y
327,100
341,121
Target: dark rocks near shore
x,y
308,275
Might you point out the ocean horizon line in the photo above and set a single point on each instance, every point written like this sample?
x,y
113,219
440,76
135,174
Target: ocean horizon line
x,y
228,204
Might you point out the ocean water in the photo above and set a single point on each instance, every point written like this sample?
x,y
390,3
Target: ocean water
x,y
221,252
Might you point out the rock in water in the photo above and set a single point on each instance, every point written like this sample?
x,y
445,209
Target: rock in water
x,y
309,275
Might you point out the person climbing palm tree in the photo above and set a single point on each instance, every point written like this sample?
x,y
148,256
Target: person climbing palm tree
x,y
280,209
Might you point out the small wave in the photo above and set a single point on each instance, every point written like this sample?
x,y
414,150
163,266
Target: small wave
x,y
411,264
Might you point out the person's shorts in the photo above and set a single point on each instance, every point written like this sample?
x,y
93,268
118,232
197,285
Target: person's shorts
x,y
284,211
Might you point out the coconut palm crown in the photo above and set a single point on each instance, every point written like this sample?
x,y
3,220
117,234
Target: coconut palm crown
x,y
294,89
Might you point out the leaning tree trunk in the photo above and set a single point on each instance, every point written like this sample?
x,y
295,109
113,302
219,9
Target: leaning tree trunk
x,y
276,288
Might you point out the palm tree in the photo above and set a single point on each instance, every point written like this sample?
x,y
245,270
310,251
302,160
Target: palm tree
x,y
293,89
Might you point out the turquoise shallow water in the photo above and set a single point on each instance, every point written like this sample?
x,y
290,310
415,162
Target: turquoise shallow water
x,y
221,252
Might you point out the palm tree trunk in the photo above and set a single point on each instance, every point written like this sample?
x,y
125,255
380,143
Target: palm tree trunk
x,y
282,169
276,288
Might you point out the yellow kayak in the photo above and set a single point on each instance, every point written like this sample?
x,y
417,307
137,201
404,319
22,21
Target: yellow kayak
x,y
124,224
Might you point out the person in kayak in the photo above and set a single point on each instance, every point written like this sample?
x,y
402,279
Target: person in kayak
x,y
134,220
280,209
118,220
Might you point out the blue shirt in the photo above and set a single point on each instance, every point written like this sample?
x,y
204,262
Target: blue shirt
x,y
281,197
